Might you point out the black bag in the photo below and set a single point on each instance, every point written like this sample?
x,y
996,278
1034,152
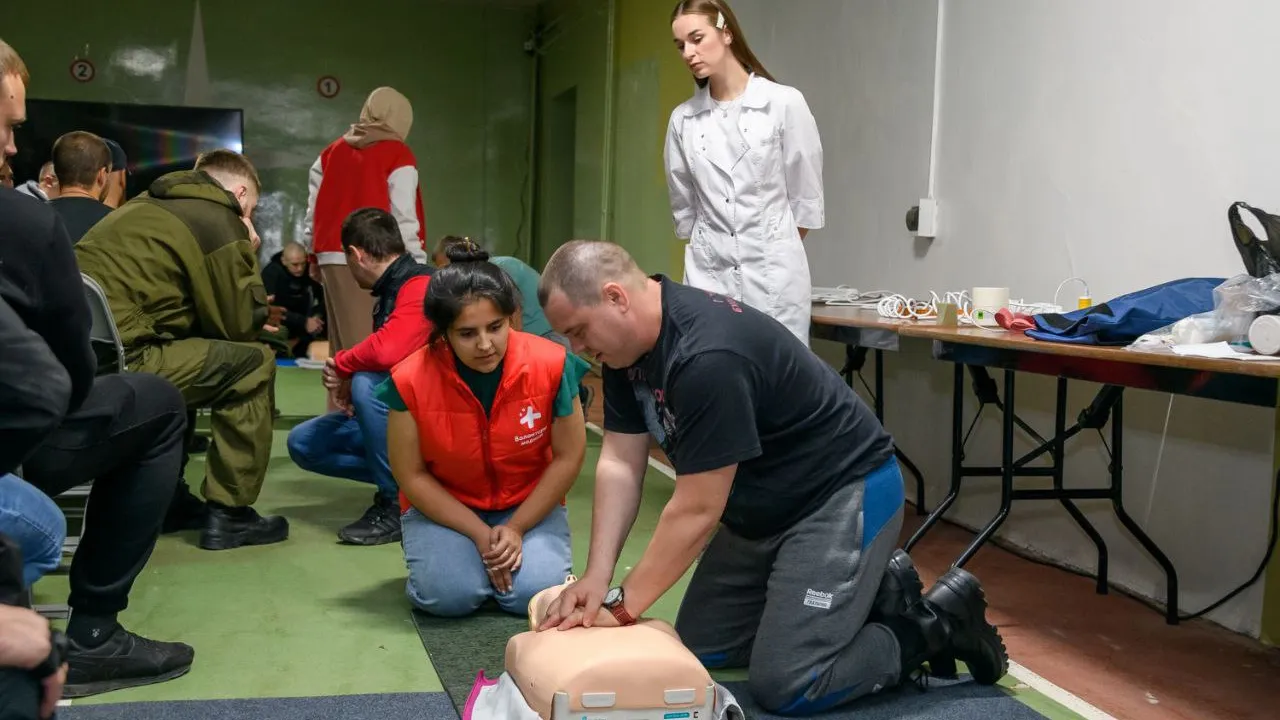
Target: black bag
x,y
1259,255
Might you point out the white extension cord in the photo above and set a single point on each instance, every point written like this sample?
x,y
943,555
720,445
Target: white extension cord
x,y
900,307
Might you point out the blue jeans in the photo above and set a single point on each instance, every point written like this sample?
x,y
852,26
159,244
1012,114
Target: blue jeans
x,y
354,448
447,576
31,519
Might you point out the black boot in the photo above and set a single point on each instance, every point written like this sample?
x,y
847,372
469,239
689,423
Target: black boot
x,y
227,527
379,525
900,588
951,620
123,660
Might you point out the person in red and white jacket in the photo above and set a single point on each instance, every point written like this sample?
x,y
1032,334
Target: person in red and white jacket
x,y
370,166
351,442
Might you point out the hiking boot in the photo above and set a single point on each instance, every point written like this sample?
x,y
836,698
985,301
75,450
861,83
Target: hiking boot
x,y
227,527
379,525
186,511
900,588
950,621
124,660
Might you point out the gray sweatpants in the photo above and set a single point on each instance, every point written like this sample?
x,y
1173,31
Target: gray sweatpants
x,y
793,607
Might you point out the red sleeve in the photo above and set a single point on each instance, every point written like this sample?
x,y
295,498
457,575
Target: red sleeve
x,y
404,332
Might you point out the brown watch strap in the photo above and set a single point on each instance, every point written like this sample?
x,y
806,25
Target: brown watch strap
x,y
620,613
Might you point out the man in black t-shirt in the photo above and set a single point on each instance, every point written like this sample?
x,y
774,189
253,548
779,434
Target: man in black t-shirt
x,y
783,464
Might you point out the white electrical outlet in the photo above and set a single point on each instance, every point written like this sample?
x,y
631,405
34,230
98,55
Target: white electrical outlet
x,y
928,218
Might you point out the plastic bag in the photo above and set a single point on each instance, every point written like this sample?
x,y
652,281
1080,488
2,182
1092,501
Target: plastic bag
x,y
1259,255
1236,302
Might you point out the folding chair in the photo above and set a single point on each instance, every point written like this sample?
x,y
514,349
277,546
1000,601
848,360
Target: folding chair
x,y
104,335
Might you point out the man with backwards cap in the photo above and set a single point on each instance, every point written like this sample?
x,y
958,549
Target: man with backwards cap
x,y
117,178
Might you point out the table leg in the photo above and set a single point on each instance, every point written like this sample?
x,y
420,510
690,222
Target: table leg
x,y
1006,474
1059,471
957,458
1271,581
1117,501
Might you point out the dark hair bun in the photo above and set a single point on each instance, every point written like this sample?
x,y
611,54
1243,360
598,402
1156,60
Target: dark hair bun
x,y
465,251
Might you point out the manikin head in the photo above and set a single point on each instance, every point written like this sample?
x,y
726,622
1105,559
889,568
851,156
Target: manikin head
x,y
81,162
710,40
13,99
371,241
470,303
593,293
237,176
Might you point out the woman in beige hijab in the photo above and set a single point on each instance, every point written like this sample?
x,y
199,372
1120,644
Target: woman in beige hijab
x,y
369,166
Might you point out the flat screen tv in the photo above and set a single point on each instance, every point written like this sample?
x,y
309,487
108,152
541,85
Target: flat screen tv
x,y
156,138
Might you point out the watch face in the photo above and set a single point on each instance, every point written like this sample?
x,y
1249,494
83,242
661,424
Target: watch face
x,y
613,597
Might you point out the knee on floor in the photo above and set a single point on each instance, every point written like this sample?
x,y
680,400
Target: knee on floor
x,y
442,597
789,692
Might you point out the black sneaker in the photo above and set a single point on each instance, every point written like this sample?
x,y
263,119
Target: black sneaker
x,y
186,511
958,601
124,660
379,525
226,528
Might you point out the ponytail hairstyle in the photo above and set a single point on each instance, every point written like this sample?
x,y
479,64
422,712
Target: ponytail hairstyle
x,y
722,18
468,278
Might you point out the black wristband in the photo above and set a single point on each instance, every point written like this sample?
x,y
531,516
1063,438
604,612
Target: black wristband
x,y
57,656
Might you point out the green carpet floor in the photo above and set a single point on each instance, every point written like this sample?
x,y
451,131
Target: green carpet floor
x,y
312,617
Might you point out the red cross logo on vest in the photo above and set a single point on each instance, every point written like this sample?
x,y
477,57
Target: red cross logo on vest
x,y
530,417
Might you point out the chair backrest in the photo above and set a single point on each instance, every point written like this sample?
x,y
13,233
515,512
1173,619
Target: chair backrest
x,y
104,330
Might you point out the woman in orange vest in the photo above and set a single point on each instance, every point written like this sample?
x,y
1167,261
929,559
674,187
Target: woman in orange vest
x,y
485,437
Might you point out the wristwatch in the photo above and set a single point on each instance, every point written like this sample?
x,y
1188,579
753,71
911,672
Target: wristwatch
x,y
613,603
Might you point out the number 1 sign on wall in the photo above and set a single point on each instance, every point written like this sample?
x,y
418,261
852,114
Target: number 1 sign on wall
x,y
83,70
328,87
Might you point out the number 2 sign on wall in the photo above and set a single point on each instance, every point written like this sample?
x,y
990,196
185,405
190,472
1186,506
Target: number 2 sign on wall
x,y
328,87
83,70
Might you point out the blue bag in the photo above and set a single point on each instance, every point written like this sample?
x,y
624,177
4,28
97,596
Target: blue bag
x,y
1124,319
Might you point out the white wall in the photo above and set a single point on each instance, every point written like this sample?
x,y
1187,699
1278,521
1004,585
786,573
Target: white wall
x,y
1094,138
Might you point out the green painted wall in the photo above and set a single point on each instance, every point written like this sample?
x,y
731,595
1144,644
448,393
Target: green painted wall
x,y
652,81
649,81
461,64
571,119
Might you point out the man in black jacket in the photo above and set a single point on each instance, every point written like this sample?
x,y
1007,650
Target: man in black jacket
x,y
290,287
66,428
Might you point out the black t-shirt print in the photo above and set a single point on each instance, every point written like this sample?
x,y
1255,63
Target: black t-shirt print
x,y
726,384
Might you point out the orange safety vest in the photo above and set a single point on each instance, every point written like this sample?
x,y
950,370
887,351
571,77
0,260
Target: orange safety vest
x,y
488,463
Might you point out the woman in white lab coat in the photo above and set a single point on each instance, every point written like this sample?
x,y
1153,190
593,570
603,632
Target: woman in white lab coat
x,y
744,171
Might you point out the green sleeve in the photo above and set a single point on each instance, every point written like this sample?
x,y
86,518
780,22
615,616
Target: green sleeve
x,y
574,368
389,395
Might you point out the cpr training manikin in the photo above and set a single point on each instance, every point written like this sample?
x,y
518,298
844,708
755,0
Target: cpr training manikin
x,y
637,672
